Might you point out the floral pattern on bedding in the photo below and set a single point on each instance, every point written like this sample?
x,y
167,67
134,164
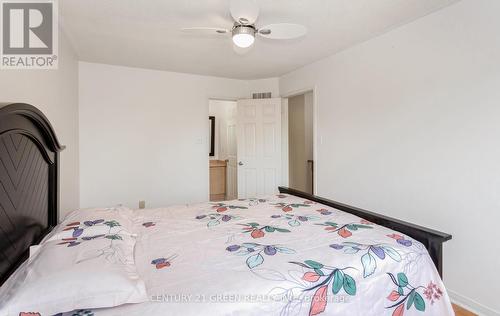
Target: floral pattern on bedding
x,y
407,294
214,219
296,220
344,230
257,252
222,207
109,252
285,207
79,229
161,263
371,254
257,230
245,247
323,278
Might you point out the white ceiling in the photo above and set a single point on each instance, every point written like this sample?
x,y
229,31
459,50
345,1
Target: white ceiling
x,y
145,33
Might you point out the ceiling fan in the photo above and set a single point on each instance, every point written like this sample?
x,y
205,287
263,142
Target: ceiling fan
x,y
244,30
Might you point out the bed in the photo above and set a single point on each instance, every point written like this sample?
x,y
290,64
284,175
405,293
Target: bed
x,y
287,254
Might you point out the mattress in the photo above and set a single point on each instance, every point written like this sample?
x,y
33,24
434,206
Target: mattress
x,y
279,255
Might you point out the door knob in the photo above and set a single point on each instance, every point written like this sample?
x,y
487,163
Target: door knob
x,y
240,163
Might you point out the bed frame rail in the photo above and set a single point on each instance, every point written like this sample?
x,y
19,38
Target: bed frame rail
x,y
432,239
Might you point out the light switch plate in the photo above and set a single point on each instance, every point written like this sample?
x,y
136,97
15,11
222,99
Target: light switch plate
x,y
142,204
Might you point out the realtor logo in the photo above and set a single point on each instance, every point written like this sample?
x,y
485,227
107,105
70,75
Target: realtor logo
x,y
29,34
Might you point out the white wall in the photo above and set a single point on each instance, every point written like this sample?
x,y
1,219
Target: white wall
x,y
410,124
144,133
264,85
55,93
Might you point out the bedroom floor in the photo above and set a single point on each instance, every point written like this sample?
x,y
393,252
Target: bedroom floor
x,y
459,311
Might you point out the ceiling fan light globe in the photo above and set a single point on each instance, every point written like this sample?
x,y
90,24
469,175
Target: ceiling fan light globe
x,y
243,36
243,40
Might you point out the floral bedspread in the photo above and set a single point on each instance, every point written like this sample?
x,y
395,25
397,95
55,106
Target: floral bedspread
x,y
281,255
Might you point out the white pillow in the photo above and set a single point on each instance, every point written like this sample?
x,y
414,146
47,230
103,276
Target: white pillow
x,y
62,277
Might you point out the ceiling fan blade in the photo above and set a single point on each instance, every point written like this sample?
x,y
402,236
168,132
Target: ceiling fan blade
x,y
244,11
205,30
282,31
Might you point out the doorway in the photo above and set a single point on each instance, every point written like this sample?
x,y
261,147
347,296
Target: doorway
x,y
223,150
301,164
246,151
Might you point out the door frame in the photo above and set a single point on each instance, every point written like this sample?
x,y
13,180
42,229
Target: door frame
x,y
294,93
212,98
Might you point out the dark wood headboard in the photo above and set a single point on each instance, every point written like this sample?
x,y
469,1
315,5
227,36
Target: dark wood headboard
x,y
29,171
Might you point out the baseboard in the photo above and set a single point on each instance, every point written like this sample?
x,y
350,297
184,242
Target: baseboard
x,y
471,305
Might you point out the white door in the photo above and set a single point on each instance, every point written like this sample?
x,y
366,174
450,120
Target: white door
x,y
259,147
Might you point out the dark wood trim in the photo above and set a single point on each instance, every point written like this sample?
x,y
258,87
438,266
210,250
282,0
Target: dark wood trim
x,y
29,182
432,239
37,118
212,136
